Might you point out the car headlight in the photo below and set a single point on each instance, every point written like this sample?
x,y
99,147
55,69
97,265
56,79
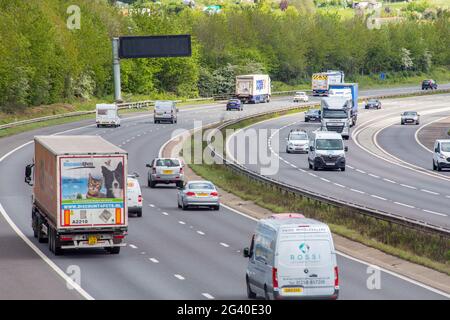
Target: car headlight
x,y
442,156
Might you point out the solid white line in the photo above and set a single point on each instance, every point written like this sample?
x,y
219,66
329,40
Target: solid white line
x,y
224,244
178,276
405,205
436,213
42,255
358,191
207,295
407,186
133,246
375,196
339,185
153,260
430,192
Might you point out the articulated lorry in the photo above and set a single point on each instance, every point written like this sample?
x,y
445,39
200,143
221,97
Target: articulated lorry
x,y
349,91
321,81
253,88
336,115
79,193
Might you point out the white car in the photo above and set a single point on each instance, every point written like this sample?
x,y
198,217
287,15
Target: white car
x,y
134,195
301,96
441,154
297,141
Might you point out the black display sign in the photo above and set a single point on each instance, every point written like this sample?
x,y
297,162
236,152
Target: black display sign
x,y
155,46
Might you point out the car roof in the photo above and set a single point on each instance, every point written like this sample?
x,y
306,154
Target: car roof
x,y
200,181
409,111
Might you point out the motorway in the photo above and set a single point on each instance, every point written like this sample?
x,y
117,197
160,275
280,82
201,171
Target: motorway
x,y
171,254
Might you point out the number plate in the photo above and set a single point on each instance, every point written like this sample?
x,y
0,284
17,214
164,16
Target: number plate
x,y
167,171
292,290
202,194
330,163
92,240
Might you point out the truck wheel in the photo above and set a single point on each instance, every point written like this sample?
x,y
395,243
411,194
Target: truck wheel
x,y
114,250
54,245
40,234
34,224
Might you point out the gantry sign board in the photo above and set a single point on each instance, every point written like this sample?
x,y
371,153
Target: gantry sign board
x,y
155,46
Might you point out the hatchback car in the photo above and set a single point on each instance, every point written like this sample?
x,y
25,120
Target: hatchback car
x,y
429,84
134,195
441,154
373,103
234,104
300,96
165,170
410,117
198,194
297,141
312,115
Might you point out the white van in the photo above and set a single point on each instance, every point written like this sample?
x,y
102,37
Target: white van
x,y
441,154
326,150
107,115
134,195
292,258
165,111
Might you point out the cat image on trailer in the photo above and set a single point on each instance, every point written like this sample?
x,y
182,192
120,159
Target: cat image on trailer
x,y
94,187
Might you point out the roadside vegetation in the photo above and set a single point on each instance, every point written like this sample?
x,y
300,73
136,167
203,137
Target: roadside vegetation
x,y
416,246
45,63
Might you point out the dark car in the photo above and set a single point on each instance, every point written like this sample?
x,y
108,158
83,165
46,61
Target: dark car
x,y
429,84
373,103
234,104
312,115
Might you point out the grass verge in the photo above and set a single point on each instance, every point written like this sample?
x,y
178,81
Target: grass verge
x,y
419,247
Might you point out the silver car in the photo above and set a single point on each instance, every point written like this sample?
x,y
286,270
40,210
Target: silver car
x,y
198,194
410,117
165,170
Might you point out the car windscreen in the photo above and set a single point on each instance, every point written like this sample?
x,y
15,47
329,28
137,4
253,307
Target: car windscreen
x,y
335,114
445,146
329,144
167,163
298,136
234,101
373,101
410,113
313,112
200,186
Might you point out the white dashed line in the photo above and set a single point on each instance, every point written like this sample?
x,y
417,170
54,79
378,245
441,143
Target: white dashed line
x,y
312,175
339,185
178,276
151,205
407,186
360,171
323,179
181,222
436,213
293,166
350,167
374,176
153,260
405,205
430,192
207,295
357,191
224,244
375,196
390,181
133,246
200,232
165,213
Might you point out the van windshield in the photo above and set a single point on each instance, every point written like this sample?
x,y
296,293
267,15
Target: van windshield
x,y
329,144
445,146
334,114
304,253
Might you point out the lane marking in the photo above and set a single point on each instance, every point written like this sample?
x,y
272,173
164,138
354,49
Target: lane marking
x,y
207,295
374,176
133,246
165,213
378,197
430,192
390,181
181,222
224,244
358,191
151,205
200,232
360,171
179,276
434,212
326,180
153,260
407,186
404,205
339,185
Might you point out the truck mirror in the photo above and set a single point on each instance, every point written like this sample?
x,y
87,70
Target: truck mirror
x,y
345,148
311,148
148,166
28,173
246,253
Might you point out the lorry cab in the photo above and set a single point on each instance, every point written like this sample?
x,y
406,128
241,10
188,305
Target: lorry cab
x,y
165,111
107,115
292,258
326,151
336,115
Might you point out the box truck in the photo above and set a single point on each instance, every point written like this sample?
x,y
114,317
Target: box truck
x,y
79,193
107,115
322,80
253,88
349,91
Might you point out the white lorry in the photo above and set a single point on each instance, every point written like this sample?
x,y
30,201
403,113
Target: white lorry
x,y
253,88
79,193
336,114
322,80
107,115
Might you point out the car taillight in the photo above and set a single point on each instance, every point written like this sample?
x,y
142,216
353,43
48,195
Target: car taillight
x,y
275,277
336,277
181,170
62,238
214,194
140,199
190,194
154,170
119,236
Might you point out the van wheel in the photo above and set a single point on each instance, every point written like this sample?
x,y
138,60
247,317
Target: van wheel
x,y
310,166
266,294
434,166
315,168
438,167
139,213
250,293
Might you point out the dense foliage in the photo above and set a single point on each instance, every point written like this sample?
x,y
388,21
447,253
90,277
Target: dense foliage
x,y
45,62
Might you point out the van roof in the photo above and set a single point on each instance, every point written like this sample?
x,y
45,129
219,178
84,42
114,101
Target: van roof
x,y
73,145
326,135
276,224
